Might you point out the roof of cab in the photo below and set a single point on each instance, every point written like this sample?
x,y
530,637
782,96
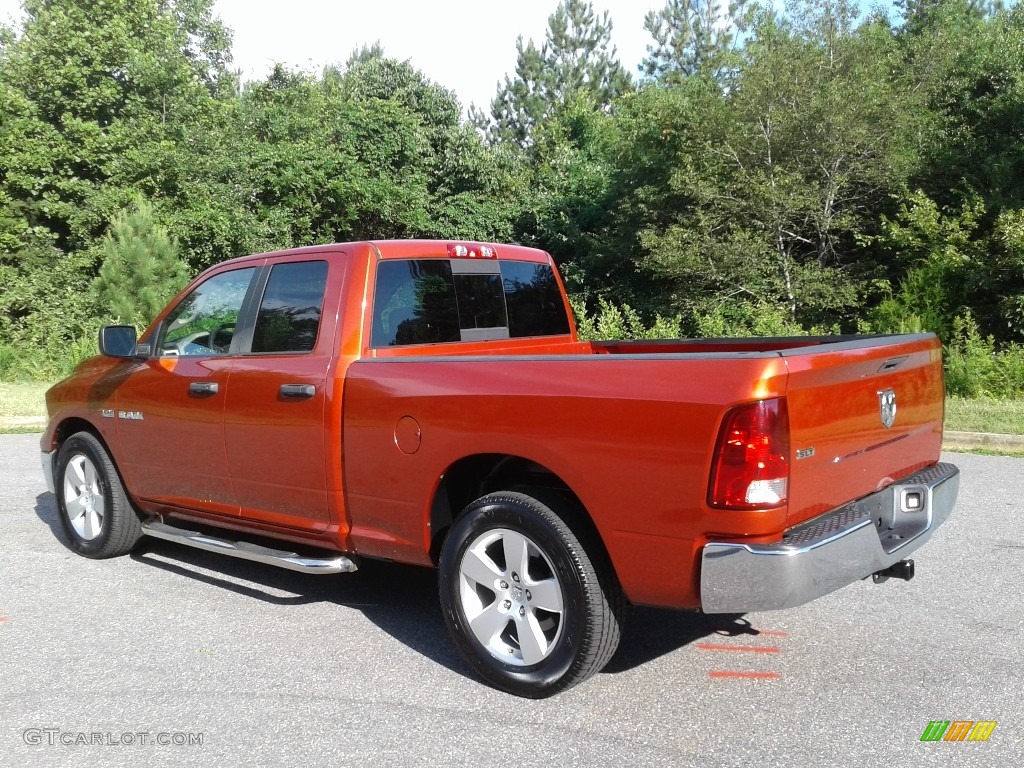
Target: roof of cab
x,y
407,249
425,249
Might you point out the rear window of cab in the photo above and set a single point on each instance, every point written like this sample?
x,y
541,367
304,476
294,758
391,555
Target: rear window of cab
x,y
434,301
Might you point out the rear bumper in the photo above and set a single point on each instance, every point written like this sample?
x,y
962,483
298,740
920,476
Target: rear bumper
x,y
830,551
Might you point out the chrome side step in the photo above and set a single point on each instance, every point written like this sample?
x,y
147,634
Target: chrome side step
x,y
336,563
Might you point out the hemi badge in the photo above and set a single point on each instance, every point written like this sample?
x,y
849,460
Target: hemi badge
x,y
130,415
804,453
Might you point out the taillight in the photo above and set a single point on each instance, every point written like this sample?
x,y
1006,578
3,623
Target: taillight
x,y
751,463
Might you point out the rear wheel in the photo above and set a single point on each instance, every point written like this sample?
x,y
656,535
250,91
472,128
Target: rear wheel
x,y
95,512
528,606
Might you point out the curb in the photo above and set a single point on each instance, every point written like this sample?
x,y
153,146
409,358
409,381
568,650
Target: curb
x,y
23,421
953,440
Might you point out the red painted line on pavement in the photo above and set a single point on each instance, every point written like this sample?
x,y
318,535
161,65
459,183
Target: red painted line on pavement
x,y
3,618
740,648
749,675
771,633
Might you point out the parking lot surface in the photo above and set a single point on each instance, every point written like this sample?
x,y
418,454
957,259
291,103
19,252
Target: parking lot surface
x,y
174,657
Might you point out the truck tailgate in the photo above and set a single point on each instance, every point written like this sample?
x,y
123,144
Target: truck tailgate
x,y
862,414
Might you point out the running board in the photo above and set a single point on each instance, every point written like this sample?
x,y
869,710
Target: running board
x,y
336,563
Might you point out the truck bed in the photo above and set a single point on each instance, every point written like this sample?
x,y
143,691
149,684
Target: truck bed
x,y
636,426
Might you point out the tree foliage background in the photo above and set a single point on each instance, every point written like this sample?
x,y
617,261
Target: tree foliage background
x,y
762,170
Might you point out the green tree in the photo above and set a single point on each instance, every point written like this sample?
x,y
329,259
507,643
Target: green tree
x,y
760,195
566,185
446,176
89,83
576,57
97,102
140,270
939,256
692,37
671,240
822,136
967,59
370,150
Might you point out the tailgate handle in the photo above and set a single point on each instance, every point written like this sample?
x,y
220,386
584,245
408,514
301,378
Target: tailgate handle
x,y
297,390
203,388
893,364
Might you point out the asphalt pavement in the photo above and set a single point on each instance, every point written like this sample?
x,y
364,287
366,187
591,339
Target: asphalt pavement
x,y
175,657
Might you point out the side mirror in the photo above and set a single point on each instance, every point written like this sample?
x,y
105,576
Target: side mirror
x,y
120,341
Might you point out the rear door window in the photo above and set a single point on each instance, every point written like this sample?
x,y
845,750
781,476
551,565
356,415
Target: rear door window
x,y
289,314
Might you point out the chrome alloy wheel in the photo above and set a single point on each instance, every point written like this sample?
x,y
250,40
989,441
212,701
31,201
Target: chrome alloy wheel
x,y
83,497
511,597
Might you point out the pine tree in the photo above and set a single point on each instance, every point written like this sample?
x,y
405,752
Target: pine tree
x,y
691,37
577,57
141,270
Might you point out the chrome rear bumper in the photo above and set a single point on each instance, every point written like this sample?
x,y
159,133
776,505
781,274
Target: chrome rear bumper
x,y
830,551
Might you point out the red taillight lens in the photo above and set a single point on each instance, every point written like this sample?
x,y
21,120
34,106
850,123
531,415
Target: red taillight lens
x,y
751,463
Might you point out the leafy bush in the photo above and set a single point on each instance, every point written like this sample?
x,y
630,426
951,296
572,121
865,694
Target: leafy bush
x,y
621,322
939,251
747,319
975,367
56,302
47,315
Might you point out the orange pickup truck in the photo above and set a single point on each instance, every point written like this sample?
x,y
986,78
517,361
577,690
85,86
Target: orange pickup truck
x,y
429,402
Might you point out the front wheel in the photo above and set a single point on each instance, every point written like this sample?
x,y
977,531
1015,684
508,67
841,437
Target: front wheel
x,y
95,512
526,603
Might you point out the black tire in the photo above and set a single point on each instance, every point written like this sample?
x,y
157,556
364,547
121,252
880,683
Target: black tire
x,y
94,509
529,642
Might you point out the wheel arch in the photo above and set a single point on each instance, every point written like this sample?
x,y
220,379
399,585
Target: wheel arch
x,y
115,520
472,477
74,424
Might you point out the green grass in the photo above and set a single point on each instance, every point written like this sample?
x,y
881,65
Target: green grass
x,y
993,416
21,400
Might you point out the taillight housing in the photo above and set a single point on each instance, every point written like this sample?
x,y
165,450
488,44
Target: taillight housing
x,y
750,469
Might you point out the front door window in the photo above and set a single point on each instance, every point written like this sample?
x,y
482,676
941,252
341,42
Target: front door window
x,y
204,321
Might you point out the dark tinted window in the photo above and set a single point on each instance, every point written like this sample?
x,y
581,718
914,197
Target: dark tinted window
x,y
481,303
535,306
422,302
289,316
414,303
